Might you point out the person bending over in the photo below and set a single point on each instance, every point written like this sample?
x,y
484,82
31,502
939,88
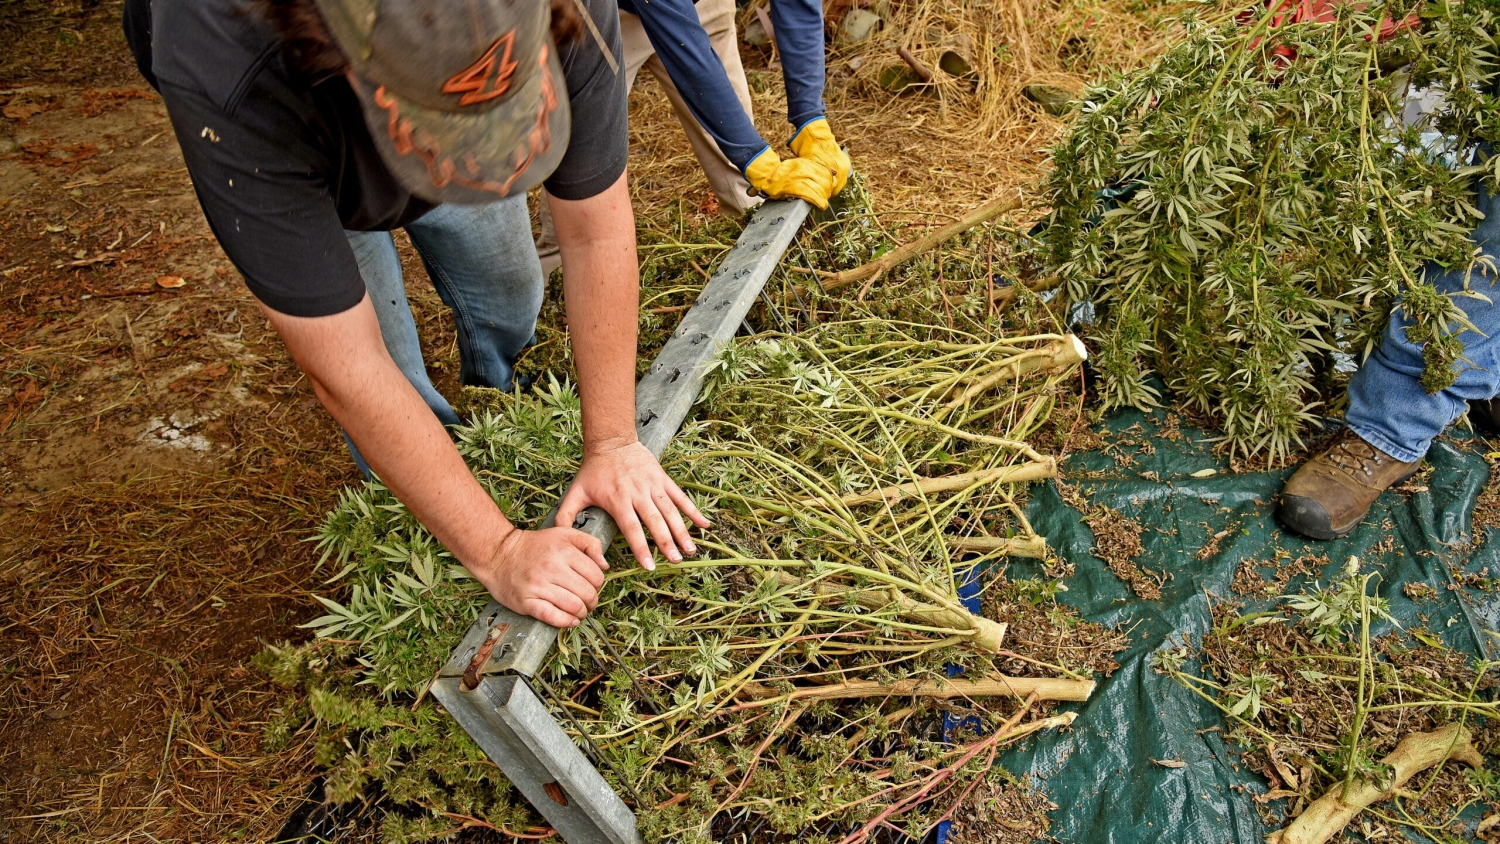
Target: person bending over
x,y
311,130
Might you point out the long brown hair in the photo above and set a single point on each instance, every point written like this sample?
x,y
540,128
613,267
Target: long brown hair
x,y
305,36
314,52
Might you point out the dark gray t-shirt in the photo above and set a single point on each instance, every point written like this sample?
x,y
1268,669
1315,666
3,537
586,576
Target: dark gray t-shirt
x,y
283,164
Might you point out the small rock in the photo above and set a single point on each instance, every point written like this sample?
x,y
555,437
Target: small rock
x,y
857,27
56,713
1053,100
897,78
954,64
755,35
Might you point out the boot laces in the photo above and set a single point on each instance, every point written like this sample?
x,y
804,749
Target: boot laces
x,y
1353,454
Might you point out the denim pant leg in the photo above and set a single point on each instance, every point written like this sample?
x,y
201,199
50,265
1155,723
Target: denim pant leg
x,y
380,267
1387,405
484,265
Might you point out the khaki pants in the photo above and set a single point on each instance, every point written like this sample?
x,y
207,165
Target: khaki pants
x,y
717,17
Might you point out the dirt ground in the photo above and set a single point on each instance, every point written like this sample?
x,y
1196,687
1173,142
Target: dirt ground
x,y
162,461
161,464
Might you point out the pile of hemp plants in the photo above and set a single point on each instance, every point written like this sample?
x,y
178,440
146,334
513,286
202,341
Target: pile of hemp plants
x,y
1250,205
1325,691
854,473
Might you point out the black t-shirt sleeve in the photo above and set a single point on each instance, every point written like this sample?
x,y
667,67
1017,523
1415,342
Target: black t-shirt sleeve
x,y
136,18
600,141
261,186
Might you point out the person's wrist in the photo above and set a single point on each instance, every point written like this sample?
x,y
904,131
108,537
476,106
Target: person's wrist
x,y
494,541
497,557
608,443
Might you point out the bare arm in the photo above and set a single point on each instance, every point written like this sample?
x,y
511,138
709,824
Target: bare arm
x,y
553,575
601,281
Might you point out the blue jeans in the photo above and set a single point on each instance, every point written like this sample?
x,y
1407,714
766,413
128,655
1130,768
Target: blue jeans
x,y
1387,407
482,261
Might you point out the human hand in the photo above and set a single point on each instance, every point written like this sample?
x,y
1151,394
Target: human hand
x,y
552,575
815,142
802,178
629,483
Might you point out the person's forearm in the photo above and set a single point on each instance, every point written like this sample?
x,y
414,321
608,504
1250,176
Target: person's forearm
x,y
601,281
799,42
685,51
405,445
596,237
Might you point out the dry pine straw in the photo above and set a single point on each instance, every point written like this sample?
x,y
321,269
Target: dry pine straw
x,y
989,136
133,610
926,154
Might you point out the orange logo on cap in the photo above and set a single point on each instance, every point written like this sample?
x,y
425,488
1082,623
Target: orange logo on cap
x,y
408,140
487,78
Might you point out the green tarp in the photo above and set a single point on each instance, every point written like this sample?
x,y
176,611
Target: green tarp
x,y
1101,773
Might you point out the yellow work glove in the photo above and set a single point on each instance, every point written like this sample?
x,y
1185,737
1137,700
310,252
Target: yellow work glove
x,y
815,143
795,177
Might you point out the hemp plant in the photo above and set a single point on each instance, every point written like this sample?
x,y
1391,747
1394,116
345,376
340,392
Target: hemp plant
x,y
1251,204
853,473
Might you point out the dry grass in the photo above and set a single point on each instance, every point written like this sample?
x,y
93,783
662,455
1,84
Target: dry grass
x,y
951,144
932,151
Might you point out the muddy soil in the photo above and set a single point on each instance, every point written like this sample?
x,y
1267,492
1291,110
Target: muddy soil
x,y
162,463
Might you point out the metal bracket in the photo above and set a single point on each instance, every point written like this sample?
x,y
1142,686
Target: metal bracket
x,y
516,731
477,685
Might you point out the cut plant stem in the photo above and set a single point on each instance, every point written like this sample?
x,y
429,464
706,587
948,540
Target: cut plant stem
x,y
1054,357
1329,814
1045,688
1031,547
1009,201
1036,470
989,636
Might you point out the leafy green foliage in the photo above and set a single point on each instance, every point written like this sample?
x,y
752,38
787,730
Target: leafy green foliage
x,y
1236,218
1333,611
1246,693
709,713
413,755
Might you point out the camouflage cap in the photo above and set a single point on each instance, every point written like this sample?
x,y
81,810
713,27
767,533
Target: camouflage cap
x,y
465,99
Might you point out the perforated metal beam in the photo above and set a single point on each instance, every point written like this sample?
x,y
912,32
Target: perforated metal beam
x,y
479,686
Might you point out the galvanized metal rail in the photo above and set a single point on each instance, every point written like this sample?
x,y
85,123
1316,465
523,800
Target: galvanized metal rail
x,y
483,685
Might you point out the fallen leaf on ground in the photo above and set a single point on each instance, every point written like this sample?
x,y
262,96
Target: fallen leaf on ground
x,y
23,110
1275,795
709,207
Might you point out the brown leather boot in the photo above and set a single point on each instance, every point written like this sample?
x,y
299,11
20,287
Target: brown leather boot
x,y
1331,493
